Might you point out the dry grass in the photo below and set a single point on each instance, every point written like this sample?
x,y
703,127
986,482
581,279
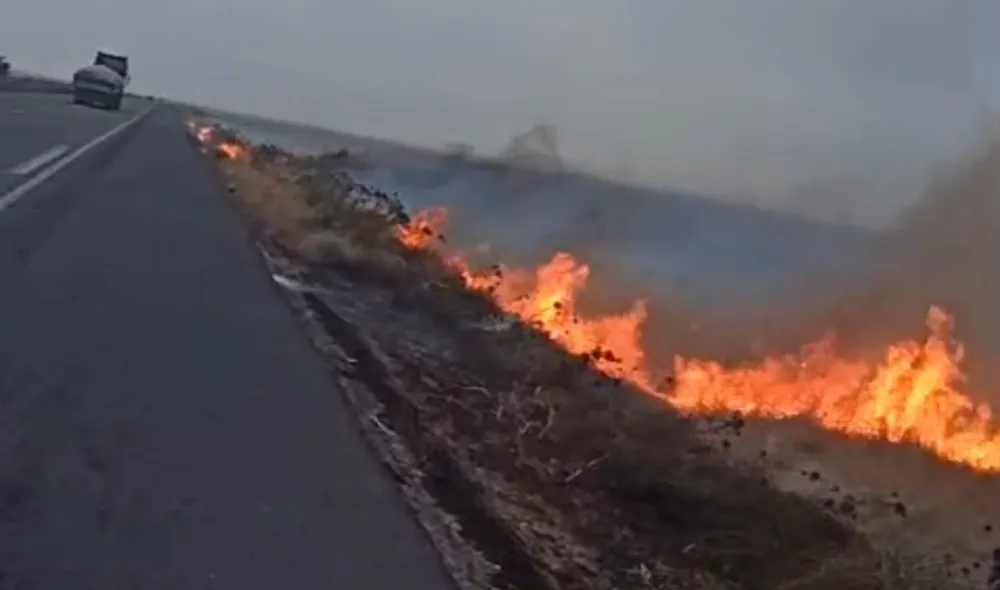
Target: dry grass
x,y
597,485
334,227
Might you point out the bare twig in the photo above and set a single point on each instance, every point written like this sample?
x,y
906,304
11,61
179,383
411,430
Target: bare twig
x,y
588,465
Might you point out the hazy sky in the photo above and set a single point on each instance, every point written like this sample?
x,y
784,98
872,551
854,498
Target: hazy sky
x,y
730,96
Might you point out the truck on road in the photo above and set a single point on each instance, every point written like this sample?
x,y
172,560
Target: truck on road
x,y
117,63
98,86
103,82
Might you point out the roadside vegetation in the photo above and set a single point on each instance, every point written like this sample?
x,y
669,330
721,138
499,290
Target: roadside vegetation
x,y
558,475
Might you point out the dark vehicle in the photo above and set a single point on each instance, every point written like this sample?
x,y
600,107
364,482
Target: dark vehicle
x,y
117,63
98,85
4,68
103,82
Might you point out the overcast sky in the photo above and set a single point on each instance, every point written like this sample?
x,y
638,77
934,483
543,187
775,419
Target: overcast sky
x,y
727,96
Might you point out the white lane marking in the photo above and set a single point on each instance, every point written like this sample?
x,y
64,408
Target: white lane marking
x,y
29,166
22,189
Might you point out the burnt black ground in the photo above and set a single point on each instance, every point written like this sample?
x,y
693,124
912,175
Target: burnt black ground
x,y
163,422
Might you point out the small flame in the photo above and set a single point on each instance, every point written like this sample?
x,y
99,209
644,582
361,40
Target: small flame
x,y
421,233
912,396
231,150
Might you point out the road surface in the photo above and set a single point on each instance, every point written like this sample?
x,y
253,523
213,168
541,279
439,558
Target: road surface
x,y
163,422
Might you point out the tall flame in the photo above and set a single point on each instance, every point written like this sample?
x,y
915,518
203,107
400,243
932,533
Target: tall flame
x,y
912,396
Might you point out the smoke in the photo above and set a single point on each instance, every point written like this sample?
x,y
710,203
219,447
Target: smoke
x,y
701,262
537,148
945,250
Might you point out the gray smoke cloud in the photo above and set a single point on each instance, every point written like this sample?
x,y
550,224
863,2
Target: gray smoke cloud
x,y
833,106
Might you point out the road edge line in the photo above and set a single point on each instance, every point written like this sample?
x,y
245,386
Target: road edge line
x,y
14,195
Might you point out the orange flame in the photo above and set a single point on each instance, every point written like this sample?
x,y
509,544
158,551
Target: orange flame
x,y
913,396
423,229
230,150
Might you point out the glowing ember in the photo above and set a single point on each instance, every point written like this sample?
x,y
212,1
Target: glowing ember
x,y
230,150
913,396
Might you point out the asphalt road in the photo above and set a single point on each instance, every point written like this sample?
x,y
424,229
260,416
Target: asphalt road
x,y
163,422
35,125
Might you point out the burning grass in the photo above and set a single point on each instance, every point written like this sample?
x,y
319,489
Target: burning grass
x,y
557,425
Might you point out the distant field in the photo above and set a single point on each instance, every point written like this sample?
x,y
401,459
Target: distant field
x,y
670,243
18,81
